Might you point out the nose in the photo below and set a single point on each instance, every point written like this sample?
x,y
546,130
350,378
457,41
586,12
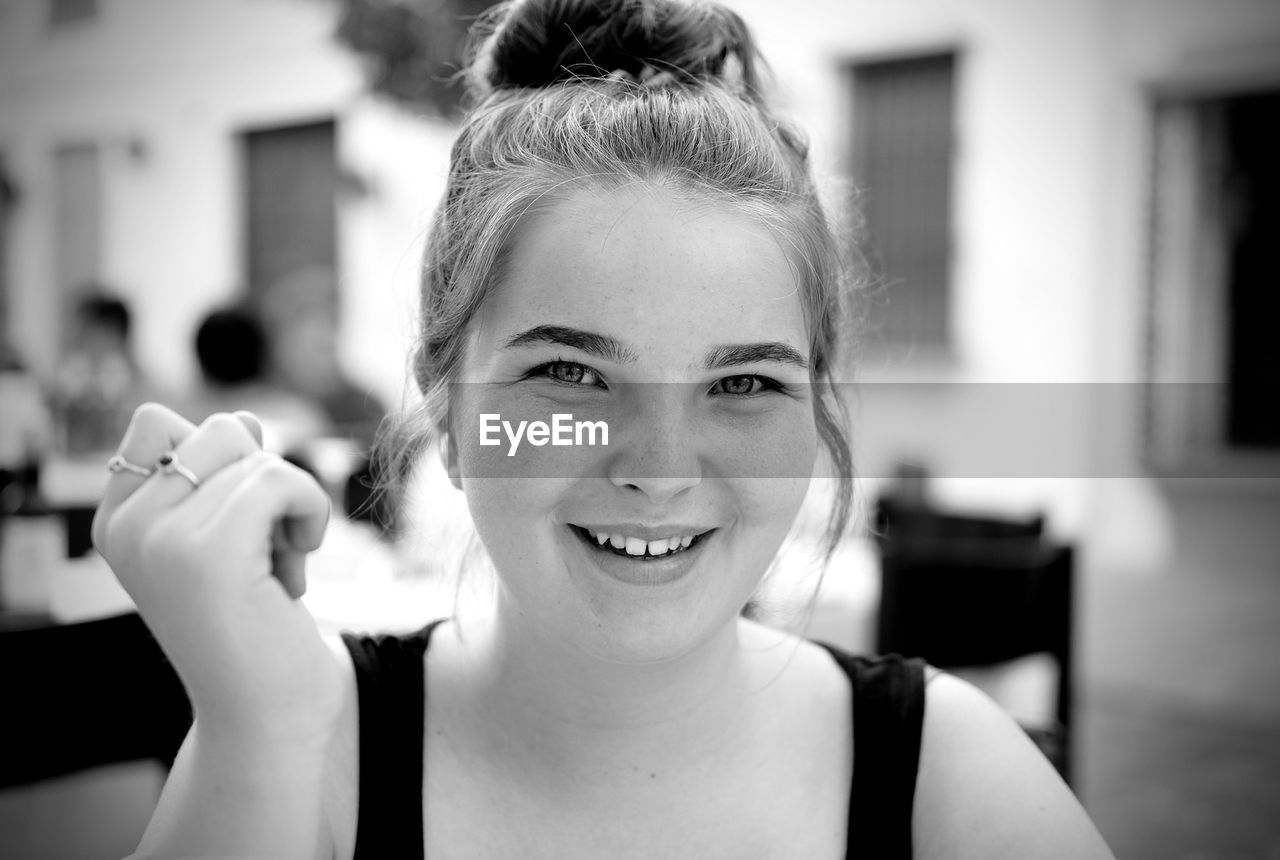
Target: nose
x,y
659,455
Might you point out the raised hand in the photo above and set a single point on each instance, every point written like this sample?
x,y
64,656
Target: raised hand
x,y
211,546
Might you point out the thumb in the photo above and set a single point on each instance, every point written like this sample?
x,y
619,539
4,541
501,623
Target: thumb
x,y
279,503
288,565
252,423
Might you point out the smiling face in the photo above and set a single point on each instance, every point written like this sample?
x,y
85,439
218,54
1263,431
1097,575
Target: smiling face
x,y
677,323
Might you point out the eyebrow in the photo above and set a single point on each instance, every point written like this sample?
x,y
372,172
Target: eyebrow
x,y
588,342
751,353
618,352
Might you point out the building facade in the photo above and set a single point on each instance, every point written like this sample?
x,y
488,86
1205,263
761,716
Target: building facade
x,y
1045,186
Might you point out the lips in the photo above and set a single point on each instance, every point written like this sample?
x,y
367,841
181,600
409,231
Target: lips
x,y
639,547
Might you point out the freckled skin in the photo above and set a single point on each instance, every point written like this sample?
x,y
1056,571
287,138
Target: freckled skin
x,y
671,280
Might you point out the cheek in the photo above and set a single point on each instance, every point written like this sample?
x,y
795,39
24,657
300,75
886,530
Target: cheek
x,y
778,446
514,519
768,506
778,471
769,468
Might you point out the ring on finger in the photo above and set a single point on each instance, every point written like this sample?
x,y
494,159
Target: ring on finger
x,y
120,464
169,464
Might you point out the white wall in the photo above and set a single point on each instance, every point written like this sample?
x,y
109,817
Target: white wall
x,y
403,160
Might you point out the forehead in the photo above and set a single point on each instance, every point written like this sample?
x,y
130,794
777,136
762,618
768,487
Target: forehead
x,y
644,263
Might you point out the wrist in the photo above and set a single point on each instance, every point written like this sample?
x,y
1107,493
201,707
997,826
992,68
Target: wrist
x,y
234,793
263,736
300,716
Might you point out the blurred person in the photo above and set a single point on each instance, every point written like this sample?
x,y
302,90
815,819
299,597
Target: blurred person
x,y
25,422
232,348
300,312
99,383
623,207
32,537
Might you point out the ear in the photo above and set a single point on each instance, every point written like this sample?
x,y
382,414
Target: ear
x,y
449,457
449,450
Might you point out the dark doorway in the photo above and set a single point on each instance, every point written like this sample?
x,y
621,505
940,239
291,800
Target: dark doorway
x,y
291,180
1215,266
8,202
1252,187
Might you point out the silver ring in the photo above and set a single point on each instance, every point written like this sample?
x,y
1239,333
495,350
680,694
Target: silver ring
x,y
120,464
169,464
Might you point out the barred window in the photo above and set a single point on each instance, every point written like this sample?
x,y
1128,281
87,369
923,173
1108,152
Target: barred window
x,y
71,11
903,144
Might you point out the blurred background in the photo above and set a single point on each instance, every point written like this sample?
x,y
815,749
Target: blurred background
x,y
1074,213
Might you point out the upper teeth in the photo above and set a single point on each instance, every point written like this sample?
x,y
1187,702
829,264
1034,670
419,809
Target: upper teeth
x,y
638,546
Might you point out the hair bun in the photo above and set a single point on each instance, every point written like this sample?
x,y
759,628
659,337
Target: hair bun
x,y
538,43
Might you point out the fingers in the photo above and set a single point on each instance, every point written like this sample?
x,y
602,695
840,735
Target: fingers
x,y
264,501
271,492
152,430
257,491
212,495
199,453
252,423
299,509
255,517
287,565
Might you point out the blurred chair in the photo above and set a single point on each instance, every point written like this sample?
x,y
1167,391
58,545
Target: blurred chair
x,y
77,696
79,523
899,520
978,593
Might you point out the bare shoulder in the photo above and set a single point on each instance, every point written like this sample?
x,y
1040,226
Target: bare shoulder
x,y
342,771
985,791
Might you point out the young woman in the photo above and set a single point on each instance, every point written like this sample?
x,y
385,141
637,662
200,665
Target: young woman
x,y
629,237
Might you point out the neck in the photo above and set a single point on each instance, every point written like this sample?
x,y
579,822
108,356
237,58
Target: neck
x,y
552,707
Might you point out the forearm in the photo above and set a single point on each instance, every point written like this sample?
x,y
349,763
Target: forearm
x,y
233,797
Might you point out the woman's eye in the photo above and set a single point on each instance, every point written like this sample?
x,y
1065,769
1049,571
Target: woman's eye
x,y
569,372
566,372
743,386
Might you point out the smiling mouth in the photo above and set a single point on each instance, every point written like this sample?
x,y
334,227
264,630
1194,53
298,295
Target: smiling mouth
x,y
636,549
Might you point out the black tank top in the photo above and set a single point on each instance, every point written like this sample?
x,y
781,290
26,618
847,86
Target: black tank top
x,y
888,695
